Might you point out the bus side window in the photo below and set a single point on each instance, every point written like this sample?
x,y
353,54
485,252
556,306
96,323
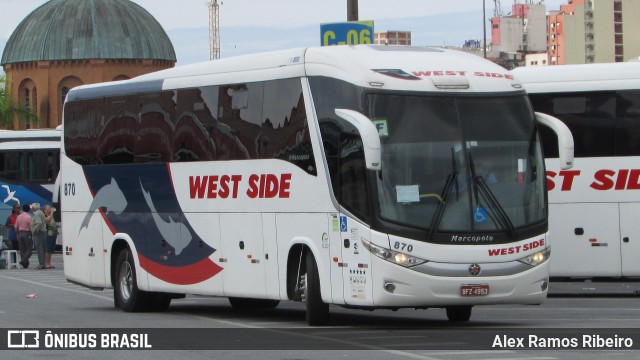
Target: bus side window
x,y
331,143
628,123
284,132
591,119
352,176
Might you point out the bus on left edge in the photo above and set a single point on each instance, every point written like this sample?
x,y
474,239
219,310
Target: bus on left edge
x,y
29,163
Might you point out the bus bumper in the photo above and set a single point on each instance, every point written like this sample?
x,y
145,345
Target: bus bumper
x,y
396,286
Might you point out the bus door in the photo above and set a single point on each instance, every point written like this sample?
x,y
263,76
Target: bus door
x,y
354,197
336,265
630,238
355,262
242,252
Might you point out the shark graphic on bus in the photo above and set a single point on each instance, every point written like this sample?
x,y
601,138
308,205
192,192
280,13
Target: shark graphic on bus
x,y
141,202
110,197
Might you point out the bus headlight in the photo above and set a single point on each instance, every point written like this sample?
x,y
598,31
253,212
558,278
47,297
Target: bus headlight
x,y
537,258
395,257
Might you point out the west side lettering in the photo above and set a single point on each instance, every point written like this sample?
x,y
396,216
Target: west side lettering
x,y
516,249
427,73
623,179
261,186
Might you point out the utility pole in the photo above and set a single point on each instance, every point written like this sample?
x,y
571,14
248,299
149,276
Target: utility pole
x,y
352,10
484,28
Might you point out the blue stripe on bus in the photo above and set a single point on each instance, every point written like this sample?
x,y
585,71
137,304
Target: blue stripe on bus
x,y
143,189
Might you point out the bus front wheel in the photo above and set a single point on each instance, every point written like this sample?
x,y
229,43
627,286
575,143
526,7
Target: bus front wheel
x,y
317,310
459,313
126,293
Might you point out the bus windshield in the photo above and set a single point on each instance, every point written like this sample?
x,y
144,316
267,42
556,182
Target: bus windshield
x,y
458,164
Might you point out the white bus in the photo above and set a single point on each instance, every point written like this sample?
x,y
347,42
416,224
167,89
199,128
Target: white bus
x,y
346,175
595,207
29,162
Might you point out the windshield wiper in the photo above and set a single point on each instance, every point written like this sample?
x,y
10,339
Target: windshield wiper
x,y
448,185
481,184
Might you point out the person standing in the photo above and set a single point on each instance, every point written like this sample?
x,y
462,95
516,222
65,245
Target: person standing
x,y
52,233
12,234
39,232
23,228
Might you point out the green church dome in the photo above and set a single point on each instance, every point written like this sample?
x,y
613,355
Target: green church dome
x,y
88,29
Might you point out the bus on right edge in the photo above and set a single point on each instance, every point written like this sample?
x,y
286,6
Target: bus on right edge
x,y
594,208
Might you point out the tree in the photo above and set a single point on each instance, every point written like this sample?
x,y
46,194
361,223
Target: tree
x,y
8,110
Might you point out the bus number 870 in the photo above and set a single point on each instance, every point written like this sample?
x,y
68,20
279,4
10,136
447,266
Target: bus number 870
x,y
69,189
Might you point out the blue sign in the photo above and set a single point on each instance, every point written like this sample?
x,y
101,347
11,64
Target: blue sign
x,y
480,215
347,33
343,224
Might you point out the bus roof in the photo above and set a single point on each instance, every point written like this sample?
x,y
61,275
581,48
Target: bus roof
x,y
582,77
402,68
29,145
30,135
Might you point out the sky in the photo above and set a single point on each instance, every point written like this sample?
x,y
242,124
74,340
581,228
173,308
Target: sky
x,y
250,26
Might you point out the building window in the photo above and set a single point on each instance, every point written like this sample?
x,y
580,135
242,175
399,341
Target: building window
x,y
35,100
617,17
27,107
618,28
64,91
617,6
34,94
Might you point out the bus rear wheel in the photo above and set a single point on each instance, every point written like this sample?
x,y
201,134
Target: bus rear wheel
x,y
126,293
317,310
459,313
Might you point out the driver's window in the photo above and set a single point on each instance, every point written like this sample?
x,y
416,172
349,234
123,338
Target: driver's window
x,y
352,188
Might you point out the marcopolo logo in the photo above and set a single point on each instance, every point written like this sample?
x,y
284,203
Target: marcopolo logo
x,y
23,339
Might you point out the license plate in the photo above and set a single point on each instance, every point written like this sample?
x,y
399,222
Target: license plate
x,y
474,290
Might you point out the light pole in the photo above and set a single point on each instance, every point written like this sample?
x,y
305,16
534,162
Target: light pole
x,y
484,28
352,10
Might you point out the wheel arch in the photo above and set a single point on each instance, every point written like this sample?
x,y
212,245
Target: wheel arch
x,y
122,242
296,259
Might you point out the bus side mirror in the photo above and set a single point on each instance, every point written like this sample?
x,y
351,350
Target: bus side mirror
x,y
369,134
565,139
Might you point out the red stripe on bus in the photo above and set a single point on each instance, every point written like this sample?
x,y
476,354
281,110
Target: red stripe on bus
x,y
181,275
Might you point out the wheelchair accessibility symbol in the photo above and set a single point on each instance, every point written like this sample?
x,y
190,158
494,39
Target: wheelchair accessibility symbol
x,y
480,215
343,224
